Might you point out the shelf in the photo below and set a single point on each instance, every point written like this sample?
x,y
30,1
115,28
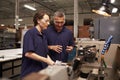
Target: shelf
x,y
7,39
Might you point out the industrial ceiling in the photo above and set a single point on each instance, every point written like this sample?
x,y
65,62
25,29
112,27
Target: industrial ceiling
x,y
8,7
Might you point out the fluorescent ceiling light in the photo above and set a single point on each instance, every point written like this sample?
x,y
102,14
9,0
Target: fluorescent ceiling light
x,y
112,1
30,7
20,19
17,24
2,24
114,10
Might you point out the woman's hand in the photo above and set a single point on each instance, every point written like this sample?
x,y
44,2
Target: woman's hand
x,y
49,61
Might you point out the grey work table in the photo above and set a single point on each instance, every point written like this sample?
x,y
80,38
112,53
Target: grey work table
x,y
10,62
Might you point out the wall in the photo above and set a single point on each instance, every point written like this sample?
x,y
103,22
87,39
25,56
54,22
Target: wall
x,y
26,21
110,56
104,27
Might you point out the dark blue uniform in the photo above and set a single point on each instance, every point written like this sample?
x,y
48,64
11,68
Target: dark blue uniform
x,y
63,38
33,42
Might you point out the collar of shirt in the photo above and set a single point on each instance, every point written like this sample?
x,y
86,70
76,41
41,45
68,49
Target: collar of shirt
x,y
60,31
38,33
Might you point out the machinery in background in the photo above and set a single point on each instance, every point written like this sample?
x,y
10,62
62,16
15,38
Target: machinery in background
x,y
85,55
88,55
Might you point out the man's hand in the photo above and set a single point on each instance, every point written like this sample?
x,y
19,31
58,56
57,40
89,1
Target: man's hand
x,y
69,48
56,48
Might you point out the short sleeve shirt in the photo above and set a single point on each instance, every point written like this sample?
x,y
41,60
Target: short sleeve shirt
x,y
37,43
64,38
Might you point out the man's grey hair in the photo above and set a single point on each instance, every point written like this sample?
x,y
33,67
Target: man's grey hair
x,y
59,14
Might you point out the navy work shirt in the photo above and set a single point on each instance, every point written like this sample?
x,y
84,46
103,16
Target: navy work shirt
x,y
63,38
37,43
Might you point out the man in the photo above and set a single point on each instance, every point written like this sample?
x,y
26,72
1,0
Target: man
x,y
60,39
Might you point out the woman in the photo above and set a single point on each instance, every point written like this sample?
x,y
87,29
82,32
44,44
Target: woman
x,y
35,46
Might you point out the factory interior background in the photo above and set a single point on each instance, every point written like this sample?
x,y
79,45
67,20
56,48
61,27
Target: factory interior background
x,y
88,26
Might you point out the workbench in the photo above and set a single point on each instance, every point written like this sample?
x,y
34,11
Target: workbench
x,y
10,63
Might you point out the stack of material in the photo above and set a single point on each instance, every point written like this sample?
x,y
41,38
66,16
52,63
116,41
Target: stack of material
x,y
70,28
84,32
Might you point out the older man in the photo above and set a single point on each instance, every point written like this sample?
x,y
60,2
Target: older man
x,y
60,39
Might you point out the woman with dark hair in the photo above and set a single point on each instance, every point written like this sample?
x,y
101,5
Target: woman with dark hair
x,y
35,49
